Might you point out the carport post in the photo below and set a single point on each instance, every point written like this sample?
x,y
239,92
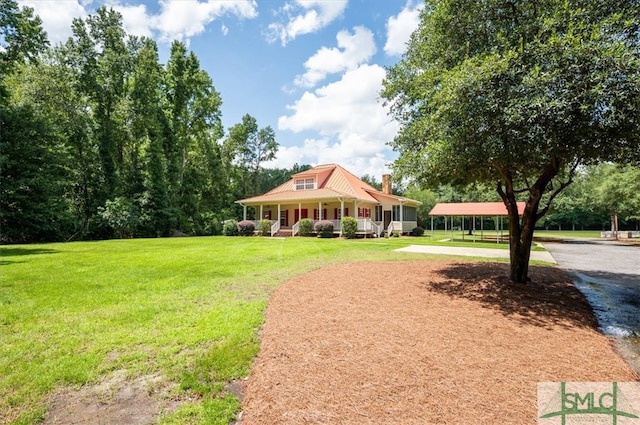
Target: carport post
x,y
431,227
473,228
452,229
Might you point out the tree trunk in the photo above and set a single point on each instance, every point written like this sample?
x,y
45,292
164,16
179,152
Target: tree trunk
x,y
520,240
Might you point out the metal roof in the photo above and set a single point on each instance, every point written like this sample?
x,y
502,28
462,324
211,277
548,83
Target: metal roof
x,y
474,208
337,182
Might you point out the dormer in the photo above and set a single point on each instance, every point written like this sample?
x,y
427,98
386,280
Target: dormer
x,y
305,183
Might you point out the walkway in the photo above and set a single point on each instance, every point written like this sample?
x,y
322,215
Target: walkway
x,y
473,252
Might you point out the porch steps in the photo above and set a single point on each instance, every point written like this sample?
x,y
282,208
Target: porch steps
x,y
283,233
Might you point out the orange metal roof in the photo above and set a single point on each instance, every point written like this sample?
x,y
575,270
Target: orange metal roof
x,y
338,183
474,208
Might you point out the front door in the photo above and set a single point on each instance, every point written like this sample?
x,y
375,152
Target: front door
x,y
284,218
387,219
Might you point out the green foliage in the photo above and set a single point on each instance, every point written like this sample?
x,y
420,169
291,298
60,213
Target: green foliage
x,y
417,231
230,228
349,227
32,190
212,224
324,228
306,227
264,227
121,215
246,147
499,93
21,36
246,228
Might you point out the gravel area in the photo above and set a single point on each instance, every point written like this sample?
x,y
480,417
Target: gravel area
x,y
422,342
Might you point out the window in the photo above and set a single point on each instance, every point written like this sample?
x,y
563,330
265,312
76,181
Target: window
x,y
364,212
395,213
305,184
378,213
337,213
409,213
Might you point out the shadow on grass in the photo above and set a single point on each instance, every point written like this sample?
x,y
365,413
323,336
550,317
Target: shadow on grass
x,y
15,252
549,300
20,252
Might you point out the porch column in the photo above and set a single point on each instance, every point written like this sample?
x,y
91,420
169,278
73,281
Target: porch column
x,y
260,213
401,219
278,218
299,211
341,214
244,212
319,210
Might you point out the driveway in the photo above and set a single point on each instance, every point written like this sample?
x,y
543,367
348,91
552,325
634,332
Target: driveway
x,y
608,274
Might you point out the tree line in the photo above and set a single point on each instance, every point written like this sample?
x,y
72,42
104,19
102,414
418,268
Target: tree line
x,y
98,139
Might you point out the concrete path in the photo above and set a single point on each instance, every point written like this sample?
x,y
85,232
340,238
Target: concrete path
x,y
473,252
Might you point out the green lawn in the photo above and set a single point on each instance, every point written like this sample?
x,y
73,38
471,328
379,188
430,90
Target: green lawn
x,y
185,309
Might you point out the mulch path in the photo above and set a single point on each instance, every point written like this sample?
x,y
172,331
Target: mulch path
x,y
422,342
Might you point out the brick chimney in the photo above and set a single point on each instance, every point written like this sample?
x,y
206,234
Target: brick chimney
x,y
386,184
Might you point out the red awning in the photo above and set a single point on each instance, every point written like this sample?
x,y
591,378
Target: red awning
x,y
474,208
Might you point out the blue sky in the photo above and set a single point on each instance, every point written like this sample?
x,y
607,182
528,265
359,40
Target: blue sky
x,y
310,69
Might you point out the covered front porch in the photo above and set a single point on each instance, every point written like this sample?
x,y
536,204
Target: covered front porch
x,y
373,219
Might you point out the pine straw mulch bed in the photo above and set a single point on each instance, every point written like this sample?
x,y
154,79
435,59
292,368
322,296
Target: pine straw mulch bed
x,y
421,342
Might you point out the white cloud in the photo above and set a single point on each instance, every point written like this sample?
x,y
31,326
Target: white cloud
x,y
224,29
399,29
354,125
56,16
353,50
305,17
135,19
177,19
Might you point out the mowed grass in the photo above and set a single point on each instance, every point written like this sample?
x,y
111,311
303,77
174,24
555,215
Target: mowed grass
x,y
186,309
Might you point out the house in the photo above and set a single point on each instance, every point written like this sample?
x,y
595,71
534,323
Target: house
x,y
330,192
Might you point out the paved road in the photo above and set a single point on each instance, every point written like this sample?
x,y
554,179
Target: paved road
x,y
608,273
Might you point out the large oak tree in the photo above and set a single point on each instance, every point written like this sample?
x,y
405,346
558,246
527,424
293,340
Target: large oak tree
x,y
519,94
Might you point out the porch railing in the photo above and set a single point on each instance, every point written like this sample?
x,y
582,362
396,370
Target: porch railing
x,y
394,226
275,227
295,229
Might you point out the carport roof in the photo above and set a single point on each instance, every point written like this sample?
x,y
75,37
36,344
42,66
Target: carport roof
x,y
473,208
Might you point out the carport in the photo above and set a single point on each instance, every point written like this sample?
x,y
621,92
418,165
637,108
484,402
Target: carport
x,y
473,210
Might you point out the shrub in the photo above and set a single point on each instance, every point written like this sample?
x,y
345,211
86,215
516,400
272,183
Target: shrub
x,y
324,228
264,227
306,227
211,224
230,228
417,231
246,228
349,227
